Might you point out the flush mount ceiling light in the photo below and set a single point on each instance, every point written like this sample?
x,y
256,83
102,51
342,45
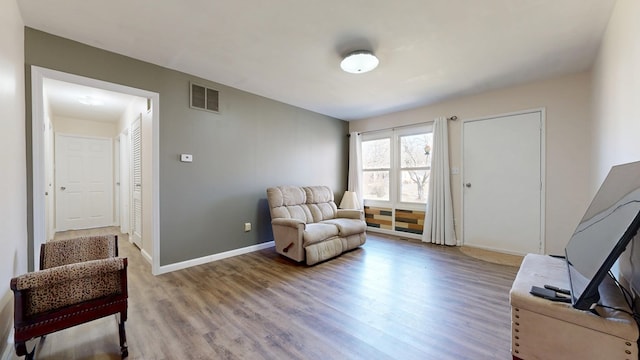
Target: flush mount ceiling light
x,y
358,62
90,101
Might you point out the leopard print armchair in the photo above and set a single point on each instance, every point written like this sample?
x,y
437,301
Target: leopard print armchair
x,y
71,289
71,251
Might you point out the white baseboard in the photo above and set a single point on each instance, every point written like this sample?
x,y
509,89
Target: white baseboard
x,y
214,257
146,256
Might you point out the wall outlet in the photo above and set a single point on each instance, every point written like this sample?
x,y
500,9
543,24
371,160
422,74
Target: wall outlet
x,y
247,227
186,157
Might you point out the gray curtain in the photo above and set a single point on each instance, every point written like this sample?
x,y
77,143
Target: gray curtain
x,y
438,222
354,183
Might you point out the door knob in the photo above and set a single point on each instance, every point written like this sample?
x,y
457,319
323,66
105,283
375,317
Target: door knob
x,y
467,185
63,188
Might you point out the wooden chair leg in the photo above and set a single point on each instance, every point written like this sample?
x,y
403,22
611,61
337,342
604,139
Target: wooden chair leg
x,y
21,349
124,350
30,356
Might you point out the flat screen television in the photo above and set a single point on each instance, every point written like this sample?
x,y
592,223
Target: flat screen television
x,y
610,222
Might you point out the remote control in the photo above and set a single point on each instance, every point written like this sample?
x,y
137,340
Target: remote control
x,y
557,289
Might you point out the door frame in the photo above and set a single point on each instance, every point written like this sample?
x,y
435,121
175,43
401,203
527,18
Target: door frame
x,y
115,143
543,177
123,189
38,74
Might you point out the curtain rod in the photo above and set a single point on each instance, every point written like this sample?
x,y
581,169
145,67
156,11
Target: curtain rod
x,y
452,118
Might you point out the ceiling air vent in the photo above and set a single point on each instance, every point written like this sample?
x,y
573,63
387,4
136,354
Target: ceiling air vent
x,y
204,98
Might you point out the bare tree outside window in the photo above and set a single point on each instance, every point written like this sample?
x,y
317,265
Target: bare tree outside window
x,y
415,164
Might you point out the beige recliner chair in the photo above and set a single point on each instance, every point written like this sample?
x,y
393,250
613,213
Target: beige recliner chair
x,y
308,226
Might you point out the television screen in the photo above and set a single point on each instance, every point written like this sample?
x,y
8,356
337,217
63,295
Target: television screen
x,y
610,222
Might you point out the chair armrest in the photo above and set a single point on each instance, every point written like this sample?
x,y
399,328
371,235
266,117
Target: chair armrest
x,y
294,223
288,237
351,214
61,286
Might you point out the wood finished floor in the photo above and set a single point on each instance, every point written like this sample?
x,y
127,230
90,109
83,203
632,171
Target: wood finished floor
x,y
390,299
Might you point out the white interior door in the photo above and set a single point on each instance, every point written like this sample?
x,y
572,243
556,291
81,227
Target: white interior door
x,y
84,182
125,165
502,183
136,182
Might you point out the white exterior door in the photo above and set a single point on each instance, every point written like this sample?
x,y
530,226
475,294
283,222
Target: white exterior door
x,y
136,182
84,182
503,183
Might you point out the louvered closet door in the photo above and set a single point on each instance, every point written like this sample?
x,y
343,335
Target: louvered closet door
x,y
136,181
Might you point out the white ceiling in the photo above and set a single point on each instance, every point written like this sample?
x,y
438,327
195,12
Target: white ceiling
x,y
290,50
83,102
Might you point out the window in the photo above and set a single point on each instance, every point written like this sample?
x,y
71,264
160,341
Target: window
x,y
415,167
396,166
376,168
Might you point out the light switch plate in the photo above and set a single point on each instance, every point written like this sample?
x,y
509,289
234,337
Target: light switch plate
x,y
186,157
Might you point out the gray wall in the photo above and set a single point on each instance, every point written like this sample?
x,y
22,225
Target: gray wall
x,y
253,143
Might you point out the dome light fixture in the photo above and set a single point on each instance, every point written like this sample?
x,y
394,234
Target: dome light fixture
x,y
90,101
359,62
